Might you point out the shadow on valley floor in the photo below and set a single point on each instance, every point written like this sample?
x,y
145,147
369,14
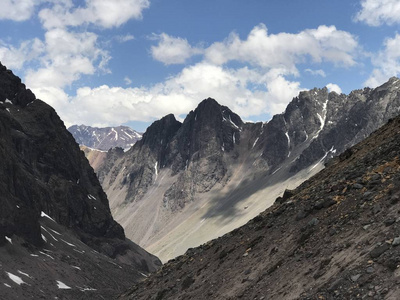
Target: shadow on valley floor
x,y
227,207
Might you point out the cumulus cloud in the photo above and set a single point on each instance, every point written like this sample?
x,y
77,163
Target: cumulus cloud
x,y
324,44
103,13
378,12
386,63
15,57
244,90
172,50
334,88
257,84
17,10
68,56
316,72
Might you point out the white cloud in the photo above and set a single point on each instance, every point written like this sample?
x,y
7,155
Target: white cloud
x,y
17,10
127,80
286,50
386,63
316,72
245,91
334,88
103,13
124,38
172,50
259,85
68,56
15,58
378,12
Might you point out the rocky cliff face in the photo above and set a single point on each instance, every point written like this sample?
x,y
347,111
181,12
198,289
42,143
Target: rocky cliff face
x,y
44,173
220,172
105,138
334,237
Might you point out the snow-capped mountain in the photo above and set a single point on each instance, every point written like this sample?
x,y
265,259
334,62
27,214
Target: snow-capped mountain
x,y
105,138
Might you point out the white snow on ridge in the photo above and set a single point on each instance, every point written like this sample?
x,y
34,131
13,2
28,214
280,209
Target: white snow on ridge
x,y
8,101
255,142
7,285
42,214
116,133
69,244
288,141
9,239
62,285
25,274
18,280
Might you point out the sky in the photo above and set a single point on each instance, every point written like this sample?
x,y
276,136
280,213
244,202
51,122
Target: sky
x,y
113,62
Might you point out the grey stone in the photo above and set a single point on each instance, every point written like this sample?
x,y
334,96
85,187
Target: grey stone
x,y
396,241
354,278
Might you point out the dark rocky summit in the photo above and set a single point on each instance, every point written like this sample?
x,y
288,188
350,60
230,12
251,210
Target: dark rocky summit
x,y
105,138
43,175
336,236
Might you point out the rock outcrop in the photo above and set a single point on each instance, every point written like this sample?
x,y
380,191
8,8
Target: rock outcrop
x,y
43,175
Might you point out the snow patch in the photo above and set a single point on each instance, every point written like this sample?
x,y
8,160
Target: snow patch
x,y
76,267
42,214
9,240
46,255
25,274
7,285
155,169
18,280
91,197
288,141
255,142
62,285
49,233
69,244
8,101
44,238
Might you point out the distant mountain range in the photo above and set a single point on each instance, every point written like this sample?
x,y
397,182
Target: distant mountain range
x,y
185,183
105,138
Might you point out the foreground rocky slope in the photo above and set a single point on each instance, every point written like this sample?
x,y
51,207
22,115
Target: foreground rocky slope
x,y
186,183
105,138
337,236
55,220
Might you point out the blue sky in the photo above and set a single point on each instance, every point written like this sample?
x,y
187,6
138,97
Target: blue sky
x,y
111,62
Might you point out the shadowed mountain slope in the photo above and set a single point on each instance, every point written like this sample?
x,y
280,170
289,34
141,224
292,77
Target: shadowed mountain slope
x,y
55,220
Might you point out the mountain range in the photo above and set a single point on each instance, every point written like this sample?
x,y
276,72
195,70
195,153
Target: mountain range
x,y
105,138
58,238
184,184
336,236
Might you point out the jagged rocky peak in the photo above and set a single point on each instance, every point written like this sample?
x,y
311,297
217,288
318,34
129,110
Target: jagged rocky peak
x,y
159,133
12,89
